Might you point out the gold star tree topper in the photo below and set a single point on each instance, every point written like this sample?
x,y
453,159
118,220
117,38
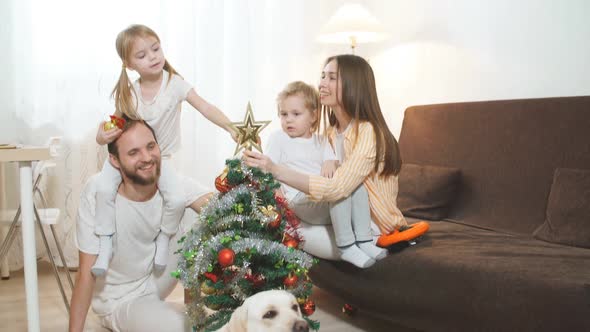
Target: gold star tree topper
x,y
248,131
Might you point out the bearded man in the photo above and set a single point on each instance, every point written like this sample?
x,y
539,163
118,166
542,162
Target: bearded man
x,y
131,295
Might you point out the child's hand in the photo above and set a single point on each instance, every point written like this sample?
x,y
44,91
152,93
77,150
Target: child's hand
x,y
329,168
105,137
255,159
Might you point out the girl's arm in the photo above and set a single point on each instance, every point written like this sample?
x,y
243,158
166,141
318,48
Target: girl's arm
x,y
82,294
210,112
105,137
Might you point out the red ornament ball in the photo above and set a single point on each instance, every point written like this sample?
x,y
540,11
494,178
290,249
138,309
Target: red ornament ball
x,y
226,257
290,280
348,309
291,243
308,308
222,184
275,223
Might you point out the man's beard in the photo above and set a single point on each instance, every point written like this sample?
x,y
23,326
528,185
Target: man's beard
x,y
131,173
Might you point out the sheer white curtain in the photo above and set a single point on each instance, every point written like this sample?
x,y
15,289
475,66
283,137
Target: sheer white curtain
x,y
61,65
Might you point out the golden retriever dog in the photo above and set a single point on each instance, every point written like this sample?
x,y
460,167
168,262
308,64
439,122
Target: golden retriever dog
x,y
273,310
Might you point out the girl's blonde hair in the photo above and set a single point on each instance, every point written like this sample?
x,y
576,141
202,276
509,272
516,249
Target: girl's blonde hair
x,y
360,102
124,102
310,95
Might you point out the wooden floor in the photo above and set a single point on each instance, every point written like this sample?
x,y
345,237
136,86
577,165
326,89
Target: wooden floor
x,y
54,317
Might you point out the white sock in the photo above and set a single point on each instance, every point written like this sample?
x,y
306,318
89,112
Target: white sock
x,y
161,259
356,256
372,250
105,252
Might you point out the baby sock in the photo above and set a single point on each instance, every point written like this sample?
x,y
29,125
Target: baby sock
x,y
161,259
372,250
105,251
356,256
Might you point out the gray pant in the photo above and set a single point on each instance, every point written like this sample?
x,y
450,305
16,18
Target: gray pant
x,y
351,218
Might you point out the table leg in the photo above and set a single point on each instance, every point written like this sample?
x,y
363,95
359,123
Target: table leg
x,y
4,268
29,250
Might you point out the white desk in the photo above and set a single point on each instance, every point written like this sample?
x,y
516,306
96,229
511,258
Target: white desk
x,y
24,156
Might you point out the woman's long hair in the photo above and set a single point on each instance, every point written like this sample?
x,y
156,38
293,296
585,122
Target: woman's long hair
x,y
124,100
360,102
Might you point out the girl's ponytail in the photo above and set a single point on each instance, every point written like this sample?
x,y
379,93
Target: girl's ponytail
x,y
123,97
170,70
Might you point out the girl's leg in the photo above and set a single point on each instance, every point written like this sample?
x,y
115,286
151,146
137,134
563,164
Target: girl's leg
x,y
340,212
361,224
106,192
172,192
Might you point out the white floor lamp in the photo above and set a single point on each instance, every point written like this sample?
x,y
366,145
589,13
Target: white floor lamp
x,y
352,24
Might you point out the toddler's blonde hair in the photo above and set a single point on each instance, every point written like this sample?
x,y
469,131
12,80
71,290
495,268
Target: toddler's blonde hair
x,y
310,95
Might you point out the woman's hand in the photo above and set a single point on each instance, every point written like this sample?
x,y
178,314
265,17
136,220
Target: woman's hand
x,y
105,137
255,159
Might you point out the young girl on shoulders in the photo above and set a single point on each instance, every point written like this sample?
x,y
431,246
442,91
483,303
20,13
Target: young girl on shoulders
x,y
301,148
156,97
371,157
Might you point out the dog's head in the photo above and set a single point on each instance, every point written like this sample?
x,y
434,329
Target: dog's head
x,y
273,310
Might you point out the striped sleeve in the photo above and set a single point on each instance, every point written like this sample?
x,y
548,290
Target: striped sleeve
x,y
358,165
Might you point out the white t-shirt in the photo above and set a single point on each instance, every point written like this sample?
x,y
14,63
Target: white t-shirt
x,y
339,144
305,155
137,224
163,112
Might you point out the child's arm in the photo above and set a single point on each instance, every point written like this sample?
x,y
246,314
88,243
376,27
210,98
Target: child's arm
x,y
107,136
210,112
329,168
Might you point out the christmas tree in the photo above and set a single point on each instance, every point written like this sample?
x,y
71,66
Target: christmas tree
x,y
245,241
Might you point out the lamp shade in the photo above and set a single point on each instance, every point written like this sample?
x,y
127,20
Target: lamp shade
x,y
351,22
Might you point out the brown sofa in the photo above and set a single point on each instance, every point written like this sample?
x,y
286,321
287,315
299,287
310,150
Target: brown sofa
x,y
484,265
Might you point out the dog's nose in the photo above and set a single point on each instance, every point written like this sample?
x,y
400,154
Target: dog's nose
x,y
300,326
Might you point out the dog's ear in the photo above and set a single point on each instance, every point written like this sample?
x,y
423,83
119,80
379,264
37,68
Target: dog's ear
x,y
239,320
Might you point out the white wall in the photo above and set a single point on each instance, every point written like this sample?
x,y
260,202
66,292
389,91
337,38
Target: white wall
x,y
461,50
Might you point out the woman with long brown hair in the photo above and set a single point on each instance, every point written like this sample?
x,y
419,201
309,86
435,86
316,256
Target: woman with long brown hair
x,y
370,155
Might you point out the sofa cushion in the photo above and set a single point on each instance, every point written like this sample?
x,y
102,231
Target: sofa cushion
x,y
507,152
427,191
567,219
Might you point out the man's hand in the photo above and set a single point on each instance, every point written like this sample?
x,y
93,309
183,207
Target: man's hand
x,y
201,202
82,293
105,137
329,168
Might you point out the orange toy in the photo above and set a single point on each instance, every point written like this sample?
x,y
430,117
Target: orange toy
x,y
406,235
